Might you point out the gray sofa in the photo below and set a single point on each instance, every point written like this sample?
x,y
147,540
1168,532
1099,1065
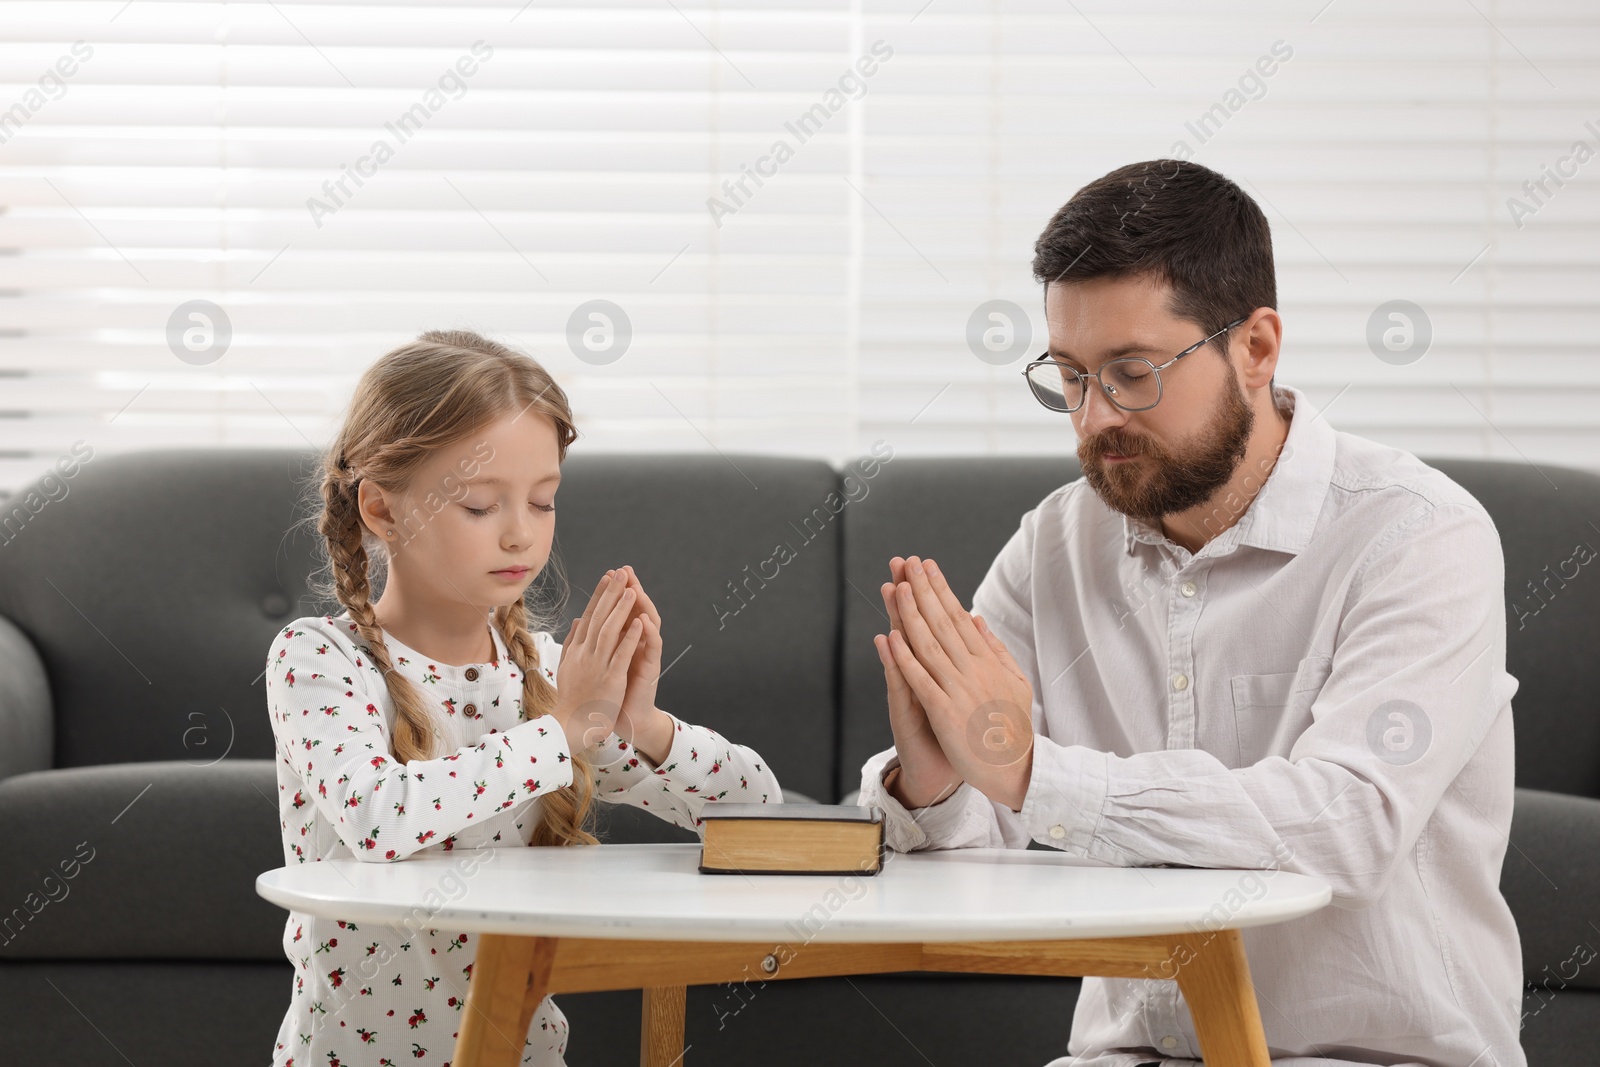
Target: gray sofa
x,y
139,596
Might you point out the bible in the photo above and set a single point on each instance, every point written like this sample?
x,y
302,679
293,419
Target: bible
x,y
791,839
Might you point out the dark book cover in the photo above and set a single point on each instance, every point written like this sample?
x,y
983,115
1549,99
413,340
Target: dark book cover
x,y
816,812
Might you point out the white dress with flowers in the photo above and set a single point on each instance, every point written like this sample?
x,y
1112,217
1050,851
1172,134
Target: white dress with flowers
x,y
369,994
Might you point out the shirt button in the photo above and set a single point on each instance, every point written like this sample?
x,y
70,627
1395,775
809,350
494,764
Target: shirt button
x,y
470,709
1180,681
472,672
1169,1042
1058,831
1187,588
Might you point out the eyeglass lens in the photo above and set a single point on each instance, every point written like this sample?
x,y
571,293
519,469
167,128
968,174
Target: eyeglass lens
x,y
1131,383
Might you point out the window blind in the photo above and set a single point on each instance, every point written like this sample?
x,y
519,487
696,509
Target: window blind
x,y
763,226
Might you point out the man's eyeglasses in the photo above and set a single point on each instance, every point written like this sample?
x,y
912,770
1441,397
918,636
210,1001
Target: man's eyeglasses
x,y
1132,383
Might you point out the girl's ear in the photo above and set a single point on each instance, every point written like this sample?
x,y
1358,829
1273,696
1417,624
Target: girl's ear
x,y
373,507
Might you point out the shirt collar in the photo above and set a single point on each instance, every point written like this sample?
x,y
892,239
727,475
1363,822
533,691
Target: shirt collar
x,y
1284,514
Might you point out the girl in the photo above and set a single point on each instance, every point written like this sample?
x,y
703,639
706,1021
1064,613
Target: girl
x,y
438,716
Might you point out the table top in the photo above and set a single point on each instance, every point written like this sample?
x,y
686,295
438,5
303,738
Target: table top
x,y
656,892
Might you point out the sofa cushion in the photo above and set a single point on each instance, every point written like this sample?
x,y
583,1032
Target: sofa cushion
x,y
1549,878
140,861
159,860
113,1013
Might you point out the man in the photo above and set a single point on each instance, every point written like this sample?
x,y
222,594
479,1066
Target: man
x,y
1241,640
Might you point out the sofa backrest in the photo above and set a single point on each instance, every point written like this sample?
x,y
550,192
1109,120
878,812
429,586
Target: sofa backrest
x,y
750,631
1549,523
962,511
153,589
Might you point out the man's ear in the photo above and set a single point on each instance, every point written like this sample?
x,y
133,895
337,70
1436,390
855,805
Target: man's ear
x,y
1259,338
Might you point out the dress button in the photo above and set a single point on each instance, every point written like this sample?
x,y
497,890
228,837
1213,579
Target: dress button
x,y
472,674
1169,1042
1180,681
1187,588
1058,831
470,710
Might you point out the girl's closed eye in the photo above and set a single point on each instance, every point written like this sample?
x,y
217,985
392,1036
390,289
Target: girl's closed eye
x,y
484,511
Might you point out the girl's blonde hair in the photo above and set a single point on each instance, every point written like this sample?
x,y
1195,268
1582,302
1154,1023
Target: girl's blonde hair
x,y
425,395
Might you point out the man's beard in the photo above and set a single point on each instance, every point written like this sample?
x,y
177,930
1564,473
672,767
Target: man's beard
x,y
1160,482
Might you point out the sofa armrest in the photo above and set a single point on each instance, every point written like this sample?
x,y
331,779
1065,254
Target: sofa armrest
x,y
1550,877
27,720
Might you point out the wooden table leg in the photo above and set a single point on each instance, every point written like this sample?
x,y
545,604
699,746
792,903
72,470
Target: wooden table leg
x,y
510,976
661,1026
513,974
1214,977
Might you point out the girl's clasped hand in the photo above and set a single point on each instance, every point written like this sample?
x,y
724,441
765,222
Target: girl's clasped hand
x,y
610,663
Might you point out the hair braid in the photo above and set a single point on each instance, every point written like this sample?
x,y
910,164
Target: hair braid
x,y
414,732
566,810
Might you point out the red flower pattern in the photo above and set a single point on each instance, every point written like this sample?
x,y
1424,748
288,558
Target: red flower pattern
x,y
346,792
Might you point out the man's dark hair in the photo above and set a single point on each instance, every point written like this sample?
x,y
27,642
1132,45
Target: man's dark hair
x,y
1176,221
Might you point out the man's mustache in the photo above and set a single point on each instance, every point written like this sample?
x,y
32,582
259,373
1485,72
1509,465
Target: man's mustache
x,y
1101,446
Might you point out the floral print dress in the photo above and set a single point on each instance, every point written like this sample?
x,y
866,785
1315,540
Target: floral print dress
x,y
369,994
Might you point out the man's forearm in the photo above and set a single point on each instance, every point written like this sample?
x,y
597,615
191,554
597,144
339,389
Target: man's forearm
x,y
913,795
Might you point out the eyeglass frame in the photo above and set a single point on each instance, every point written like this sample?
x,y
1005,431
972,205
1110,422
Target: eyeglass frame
x,y
1085,375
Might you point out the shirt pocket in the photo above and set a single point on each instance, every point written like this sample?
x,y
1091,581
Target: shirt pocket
x,y
1270,711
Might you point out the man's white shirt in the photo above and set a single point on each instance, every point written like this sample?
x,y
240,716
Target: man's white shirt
x,y
1320,689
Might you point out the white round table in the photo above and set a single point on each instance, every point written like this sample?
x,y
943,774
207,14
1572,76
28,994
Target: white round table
x,y
643,917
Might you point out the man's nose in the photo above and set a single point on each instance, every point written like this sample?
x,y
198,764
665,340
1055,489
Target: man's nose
x,y
1098,413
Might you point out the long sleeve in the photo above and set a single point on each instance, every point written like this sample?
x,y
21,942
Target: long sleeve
x,y
1417,680
700,767
1319,689
964,819
329,728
